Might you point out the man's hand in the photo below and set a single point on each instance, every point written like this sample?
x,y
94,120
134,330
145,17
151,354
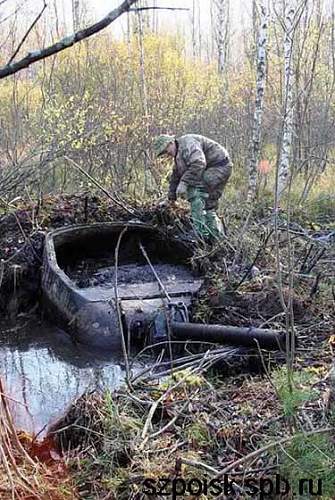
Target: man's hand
x,y
182,190
167,204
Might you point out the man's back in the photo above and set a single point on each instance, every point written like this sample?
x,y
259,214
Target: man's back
x,y
215,153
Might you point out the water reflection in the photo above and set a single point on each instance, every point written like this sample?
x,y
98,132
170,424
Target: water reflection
x,y
43,371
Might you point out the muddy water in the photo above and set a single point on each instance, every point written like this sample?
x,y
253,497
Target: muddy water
x,y
43,371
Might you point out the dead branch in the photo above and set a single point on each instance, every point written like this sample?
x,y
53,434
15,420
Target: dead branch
x,y
38,17
97,184
139,9
170,423
145,255
155,404
268,447
69,41
118,307
18,7
199,465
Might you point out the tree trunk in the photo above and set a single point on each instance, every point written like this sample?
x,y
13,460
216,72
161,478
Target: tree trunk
x,y
330,397
288,110
144,92
75,14
194,41
255,146
222,8
332,36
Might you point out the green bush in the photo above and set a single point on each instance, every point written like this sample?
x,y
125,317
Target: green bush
x,y
293,389
310,457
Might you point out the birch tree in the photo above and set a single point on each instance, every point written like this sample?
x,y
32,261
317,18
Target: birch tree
x,y
194,40
75,14
255,146
288,109
222,14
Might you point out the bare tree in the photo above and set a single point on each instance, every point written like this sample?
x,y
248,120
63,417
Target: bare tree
x,y
288,109
144,90
194,40
333,36
222,12
311,142
154,25
75,14
37,55
255,146
69,41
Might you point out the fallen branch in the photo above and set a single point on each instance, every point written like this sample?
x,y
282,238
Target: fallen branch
x,y
268,447
118,307
69,41
169,424
199,465
97,184
145,255
139,9
156,403
38,17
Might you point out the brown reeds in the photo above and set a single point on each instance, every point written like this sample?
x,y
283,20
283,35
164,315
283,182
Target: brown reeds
x,y
23,475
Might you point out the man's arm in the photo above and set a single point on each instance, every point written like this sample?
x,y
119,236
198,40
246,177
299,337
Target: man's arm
x,y
195,160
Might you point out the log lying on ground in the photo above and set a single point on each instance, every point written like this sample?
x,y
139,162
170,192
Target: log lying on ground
x,y
233,335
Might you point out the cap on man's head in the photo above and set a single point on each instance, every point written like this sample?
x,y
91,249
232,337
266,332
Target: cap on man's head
x,y
161,143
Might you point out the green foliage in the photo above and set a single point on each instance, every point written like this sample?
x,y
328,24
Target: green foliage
x,y
98,104
119,428
293,389
322,207
198,433
310,457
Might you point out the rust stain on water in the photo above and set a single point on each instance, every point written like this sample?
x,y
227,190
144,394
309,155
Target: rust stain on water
x,y
43,371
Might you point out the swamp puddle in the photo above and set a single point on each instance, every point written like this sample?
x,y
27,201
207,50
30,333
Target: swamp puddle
x,y
44,371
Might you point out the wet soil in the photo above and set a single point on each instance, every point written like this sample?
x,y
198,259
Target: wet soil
x,y
90,273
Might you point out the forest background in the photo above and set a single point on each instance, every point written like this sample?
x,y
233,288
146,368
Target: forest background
x,y
101,102
259,77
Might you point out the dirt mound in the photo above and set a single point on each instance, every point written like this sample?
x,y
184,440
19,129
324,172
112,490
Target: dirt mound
x,y
268,304
253,308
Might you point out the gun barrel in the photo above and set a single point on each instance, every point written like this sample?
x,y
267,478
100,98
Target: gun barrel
x,y
233,335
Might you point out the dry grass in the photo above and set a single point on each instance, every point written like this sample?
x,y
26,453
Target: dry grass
x,y
28,471
186,426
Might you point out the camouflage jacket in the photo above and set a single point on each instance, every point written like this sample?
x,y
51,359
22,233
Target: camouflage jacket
x,y
195,154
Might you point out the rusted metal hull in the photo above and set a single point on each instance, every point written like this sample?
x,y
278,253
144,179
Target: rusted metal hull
x,y
92,317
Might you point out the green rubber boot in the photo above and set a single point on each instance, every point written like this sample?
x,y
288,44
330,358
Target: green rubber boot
x,y
197,199
214,225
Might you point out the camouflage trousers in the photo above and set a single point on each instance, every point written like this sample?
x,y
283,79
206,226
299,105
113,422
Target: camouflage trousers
x,y
204,201
215,179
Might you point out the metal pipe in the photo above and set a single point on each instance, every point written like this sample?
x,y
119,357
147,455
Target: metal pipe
x,y
233,335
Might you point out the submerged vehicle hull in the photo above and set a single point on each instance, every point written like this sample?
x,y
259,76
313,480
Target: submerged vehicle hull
x,y
91,314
